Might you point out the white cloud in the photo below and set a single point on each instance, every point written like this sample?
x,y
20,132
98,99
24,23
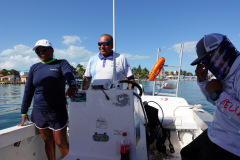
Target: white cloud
x,y
22,57
189,47
18,49
84,63
134,57
18,62
68,40
73,53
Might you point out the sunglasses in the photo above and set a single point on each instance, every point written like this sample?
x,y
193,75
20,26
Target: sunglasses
x,y
206,61
103,43
43,49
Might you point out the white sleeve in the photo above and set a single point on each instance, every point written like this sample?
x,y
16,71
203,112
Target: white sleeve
x,y
87,71
230,104
127,68
202,86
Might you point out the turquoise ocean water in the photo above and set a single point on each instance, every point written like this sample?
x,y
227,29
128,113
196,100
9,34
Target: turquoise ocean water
x,y
11,99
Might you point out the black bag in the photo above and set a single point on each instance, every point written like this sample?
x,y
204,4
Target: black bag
x,y
155,131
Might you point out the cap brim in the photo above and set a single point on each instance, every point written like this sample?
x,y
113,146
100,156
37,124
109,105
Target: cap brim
x,y
34,48
199,59
201,52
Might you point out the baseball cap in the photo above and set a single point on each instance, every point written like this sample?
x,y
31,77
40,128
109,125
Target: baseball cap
x,y
207,44
42,42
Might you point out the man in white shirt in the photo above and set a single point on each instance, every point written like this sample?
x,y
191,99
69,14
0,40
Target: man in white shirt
x,y
101,65
221,141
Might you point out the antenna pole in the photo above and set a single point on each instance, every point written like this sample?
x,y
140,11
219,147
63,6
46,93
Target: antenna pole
x,y
154,83
179,69
114,48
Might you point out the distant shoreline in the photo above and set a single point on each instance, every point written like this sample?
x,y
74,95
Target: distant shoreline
x,y
12,82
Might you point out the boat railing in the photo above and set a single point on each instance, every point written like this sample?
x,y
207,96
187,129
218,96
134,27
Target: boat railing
x,y
178,75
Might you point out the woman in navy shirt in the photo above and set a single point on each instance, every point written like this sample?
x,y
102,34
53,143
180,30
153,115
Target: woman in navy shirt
x,y
46,84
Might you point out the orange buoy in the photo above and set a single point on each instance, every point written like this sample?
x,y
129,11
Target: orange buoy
x,y
156,69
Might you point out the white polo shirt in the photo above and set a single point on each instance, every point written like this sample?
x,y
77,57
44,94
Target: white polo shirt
x,y
102,68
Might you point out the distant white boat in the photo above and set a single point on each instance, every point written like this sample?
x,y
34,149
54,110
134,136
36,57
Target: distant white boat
x,y
172,77
169,86
189,78
182,77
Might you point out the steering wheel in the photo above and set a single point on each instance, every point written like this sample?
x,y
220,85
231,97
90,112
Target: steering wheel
x,y
134,84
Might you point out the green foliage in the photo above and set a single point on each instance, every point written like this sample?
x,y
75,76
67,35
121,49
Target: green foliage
x,y
4,72
80,70
185,73
140,73
14,72
189,74
74,70
10,72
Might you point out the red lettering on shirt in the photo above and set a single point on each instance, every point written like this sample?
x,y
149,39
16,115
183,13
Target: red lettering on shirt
x,y
228,105
230,108
224,102
236,109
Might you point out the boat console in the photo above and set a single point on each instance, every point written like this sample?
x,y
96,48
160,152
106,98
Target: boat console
x,y
98,117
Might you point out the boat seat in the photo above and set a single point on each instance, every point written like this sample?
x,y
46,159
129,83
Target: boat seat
x,y
176,112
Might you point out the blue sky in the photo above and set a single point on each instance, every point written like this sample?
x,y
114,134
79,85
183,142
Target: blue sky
x,y
142,26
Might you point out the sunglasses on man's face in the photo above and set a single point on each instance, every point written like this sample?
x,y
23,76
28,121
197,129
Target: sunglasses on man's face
x,y
103,43
43,49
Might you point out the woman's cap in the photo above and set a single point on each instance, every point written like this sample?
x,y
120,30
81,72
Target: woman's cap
x,y
42,42
207,44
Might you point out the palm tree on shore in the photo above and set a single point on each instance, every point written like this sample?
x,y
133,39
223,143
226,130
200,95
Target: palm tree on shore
x,y
80,70
140,73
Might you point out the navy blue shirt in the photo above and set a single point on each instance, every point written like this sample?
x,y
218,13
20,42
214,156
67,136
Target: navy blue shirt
x,y
46,83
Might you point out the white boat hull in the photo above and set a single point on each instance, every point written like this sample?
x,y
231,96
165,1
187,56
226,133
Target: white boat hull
x,y
23,143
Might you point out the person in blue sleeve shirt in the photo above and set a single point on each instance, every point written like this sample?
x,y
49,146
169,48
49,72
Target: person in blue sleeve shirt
x,y
221,141
46,84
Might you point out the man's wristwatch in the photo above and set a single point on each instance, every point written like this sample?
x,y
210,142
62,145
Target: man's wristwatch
x,y
215,94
